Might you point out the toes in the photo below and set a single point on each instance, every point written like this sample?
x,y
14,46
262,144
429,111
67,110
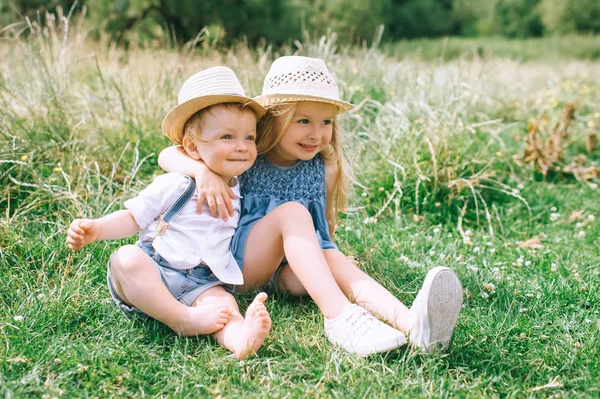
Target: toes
x,y
261,297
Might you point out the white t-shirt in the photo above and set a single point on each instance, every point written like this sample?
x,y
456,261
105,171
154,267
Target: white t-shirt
x,y
191,238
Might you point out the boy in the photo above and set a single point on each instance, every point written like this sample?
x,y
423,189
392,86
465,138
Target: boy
x,y
181,271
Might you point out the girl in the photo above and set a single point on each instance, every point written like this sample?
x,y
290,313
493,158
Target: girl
x,y
291,197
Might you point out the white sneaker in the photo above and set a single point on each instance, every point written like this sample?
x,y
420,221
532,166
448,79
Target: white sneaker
x,y
358,331
433,314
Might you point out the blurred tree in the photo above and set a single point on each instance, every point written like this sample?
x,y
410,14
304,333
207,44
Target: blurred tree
x,y
474,17
350,19
170,21
420,18
566,16
518,18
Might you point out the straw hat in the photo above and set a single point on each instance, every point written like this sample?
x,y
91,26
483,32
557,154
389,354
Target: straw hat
x,y
212,86
296,78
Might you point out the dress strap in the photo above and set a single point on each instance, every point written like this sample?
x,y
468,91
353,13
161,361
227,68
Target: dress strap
x,y
177,206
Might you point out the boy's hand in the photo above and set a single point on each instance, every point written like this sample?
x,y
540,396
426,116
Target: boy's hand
x,y
215,191
82,232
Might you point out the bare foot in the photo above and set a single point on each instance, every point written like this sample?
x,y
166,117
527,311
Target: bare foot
x,y
257,325
202,320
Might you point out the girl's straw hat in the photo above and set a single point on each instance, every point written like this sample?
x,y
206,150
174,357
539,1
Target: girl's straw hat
x,y
212,86
296,78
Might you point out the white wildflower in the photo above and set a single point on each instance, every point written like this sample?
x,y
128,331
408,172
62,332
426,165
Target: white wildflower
x,y
18,318
490,287
553,209
591,218
520,261
436,230
528,263
554,216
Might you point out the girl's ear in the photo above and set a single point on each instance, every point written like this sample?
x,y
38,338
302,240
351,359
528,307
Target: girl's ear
x,y
190,146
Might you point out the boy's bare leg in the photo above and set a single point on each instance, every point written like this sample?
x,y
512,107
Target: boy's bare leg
x,y
138,283
242,336
358,286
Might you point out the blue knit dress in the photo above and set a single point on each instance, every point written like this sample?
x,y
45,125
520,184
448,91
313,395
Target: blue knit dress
x,y
265,186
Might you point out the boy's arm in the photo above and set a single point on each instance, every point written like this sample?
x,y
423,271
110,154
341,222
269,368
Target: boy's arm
x,y
211,187
117,225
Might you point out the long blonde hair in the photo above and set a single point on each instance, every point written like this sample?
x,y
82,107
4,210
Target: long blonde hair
x,y
274,125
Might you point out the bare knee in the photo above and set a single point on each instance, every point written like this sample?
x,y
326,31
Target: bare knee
x,y
127,259
288,281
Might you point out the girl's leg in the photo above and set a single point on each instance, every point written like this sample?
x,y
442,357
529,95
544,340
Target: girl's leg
x,y
432,316
138,283
289,230
242,336
365,291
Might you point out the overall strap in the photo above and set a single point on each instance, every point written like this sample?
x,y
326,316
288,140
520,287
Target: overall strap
x,y
174,209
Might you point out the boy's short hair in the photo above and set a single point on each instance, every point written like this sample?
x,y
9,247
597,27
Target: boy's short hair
x,y
193,126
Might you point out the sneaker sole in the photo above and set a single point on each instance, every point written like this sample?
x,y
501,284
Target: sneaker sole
x,y
443,305
381,347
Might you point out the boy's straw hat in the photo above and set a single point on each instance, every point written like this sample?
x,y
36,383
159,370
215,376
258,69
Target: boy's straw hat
x,y
295,78
212,86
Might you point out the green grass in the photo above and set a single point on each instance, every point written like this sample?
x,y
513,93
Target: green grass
x,y
435,146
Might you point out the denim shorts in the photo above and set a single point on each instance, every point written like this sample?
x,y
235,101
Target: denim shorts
x,y
185,285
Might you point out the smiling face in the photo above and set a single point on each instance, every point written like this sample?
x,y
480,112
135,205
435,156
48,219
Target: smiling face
x,y
308,133
224,138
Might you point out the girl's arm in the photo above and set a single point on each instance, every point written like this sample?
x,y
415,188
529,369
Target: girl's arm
x,y
331,175
117,225
211,187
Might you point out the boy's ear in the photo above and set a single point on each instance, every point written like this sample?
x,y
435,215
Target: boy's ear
x,y
189,145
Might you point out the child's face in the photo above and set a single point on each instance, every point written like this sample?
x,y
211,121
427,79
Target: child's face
x,y
309,133
226,142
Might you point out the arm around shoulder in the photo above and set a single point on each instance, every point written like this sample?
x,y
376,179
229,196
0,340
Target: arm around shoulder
x,y
175,159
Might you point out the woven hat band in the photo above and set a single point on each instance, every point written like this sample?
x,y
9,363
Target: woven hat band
x,y
295,77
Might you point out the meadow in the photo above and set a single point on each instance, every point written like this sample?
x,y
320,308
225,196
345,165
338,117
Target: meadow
x,y
486,162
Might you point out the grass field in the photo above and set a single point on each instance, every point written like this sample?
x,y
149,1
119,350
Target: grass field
x,y
438,147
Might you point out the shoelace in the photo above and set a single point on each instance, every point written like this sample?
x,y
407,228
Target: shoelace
x,y
362,321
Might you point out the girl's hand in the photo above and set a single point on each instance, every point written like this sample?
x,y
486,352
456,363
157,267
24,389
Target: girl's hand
x,y
215,191
82,232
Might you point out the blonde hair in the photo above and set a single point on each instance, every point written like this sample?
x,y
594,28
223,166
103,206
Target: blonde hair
x,y
273,127
193,126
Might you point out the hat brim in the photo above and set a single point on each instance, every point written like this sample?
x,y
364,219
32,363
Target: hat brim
x,y
172,125
271,99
